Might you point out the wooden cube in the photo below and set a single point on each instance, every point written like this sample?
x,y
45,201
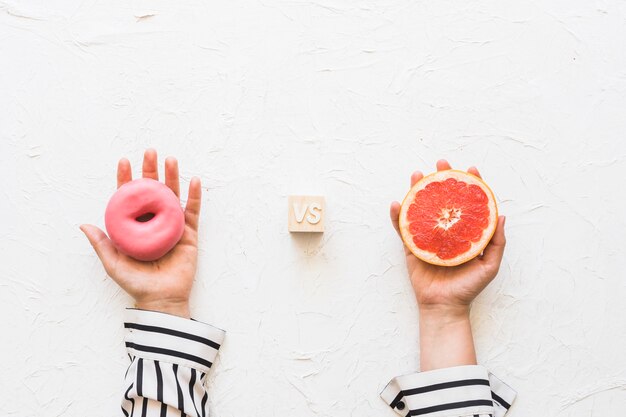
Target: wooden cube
x,y
306,213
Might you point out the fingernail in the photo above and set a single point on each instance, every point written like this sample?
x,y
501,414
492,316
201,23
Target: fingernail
x,y
503,220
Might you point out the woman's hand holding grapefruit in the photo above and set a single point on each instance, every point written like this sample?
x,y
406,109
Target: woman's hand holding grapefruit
x,y
444,294
452,287
165,284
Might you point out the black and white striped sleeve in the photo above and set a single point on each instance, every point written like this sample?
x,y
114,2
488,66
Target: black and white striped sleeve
x,y
170,358
461,391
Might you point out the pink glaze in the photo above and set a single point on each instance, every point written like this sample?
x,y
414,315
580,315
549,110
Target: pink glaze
x,y
148,240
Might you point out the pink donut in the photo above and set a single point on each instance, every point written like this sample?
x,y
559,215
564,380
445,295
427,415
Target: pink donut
x,y
144,219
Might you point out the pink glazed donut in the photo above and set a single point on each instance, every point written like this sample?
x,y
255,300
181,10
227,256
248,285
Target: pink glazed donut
x,y
144,219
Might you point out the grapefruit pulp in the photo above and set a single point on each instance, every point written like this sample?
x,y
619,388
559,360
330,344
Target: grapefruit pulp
x,y
448,217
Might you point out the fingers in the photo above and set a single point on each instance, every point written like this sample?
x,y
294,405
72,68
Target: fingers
x,y
394,213
150,167
103,246
492,255
192,209
171,175
415,177
442,165
124,173
474,171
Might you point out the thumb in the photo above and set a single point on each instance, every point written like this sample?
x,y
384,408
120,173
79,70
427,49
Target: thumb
x,y
103,246
492,255
394,213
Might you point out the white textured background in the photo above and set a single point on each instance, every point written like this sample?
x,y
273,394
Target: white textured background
x,y
268,98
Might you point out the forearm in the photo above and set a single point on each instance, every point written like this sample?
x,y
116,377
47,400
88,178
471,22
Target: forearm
x,y
445,337
449,382
170,359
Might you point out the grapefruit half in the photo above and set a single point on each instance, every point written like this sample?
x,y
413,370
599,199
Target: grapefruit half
x,y
448,217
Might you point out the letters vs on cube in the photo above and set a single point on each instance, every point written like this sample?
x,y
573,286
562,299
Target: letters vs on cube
x,y
306,213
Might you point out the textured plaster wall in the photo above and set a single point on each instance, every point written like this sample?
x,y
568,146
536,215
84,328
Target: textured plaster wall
x,y
263,99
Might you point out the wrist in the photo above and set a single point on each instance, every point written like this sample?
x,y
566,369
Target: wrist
x,y
444,313
441,321
176,308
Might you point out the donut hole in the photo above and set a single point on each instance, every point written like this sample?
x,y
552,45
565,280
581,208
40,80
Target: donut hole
x,y
146,217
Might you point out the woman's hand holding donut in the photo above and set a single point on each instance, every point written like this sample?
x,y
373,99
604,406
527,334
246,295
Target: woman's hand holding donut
x,y
165,284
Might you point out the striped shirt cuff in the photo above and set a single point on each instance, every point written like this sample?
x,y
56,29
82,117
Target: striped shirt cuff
x,y
168,338
449,392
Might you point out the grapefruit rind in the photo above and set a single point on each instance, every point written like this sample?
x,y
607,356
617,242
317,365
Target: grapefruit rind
x,y
476,247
